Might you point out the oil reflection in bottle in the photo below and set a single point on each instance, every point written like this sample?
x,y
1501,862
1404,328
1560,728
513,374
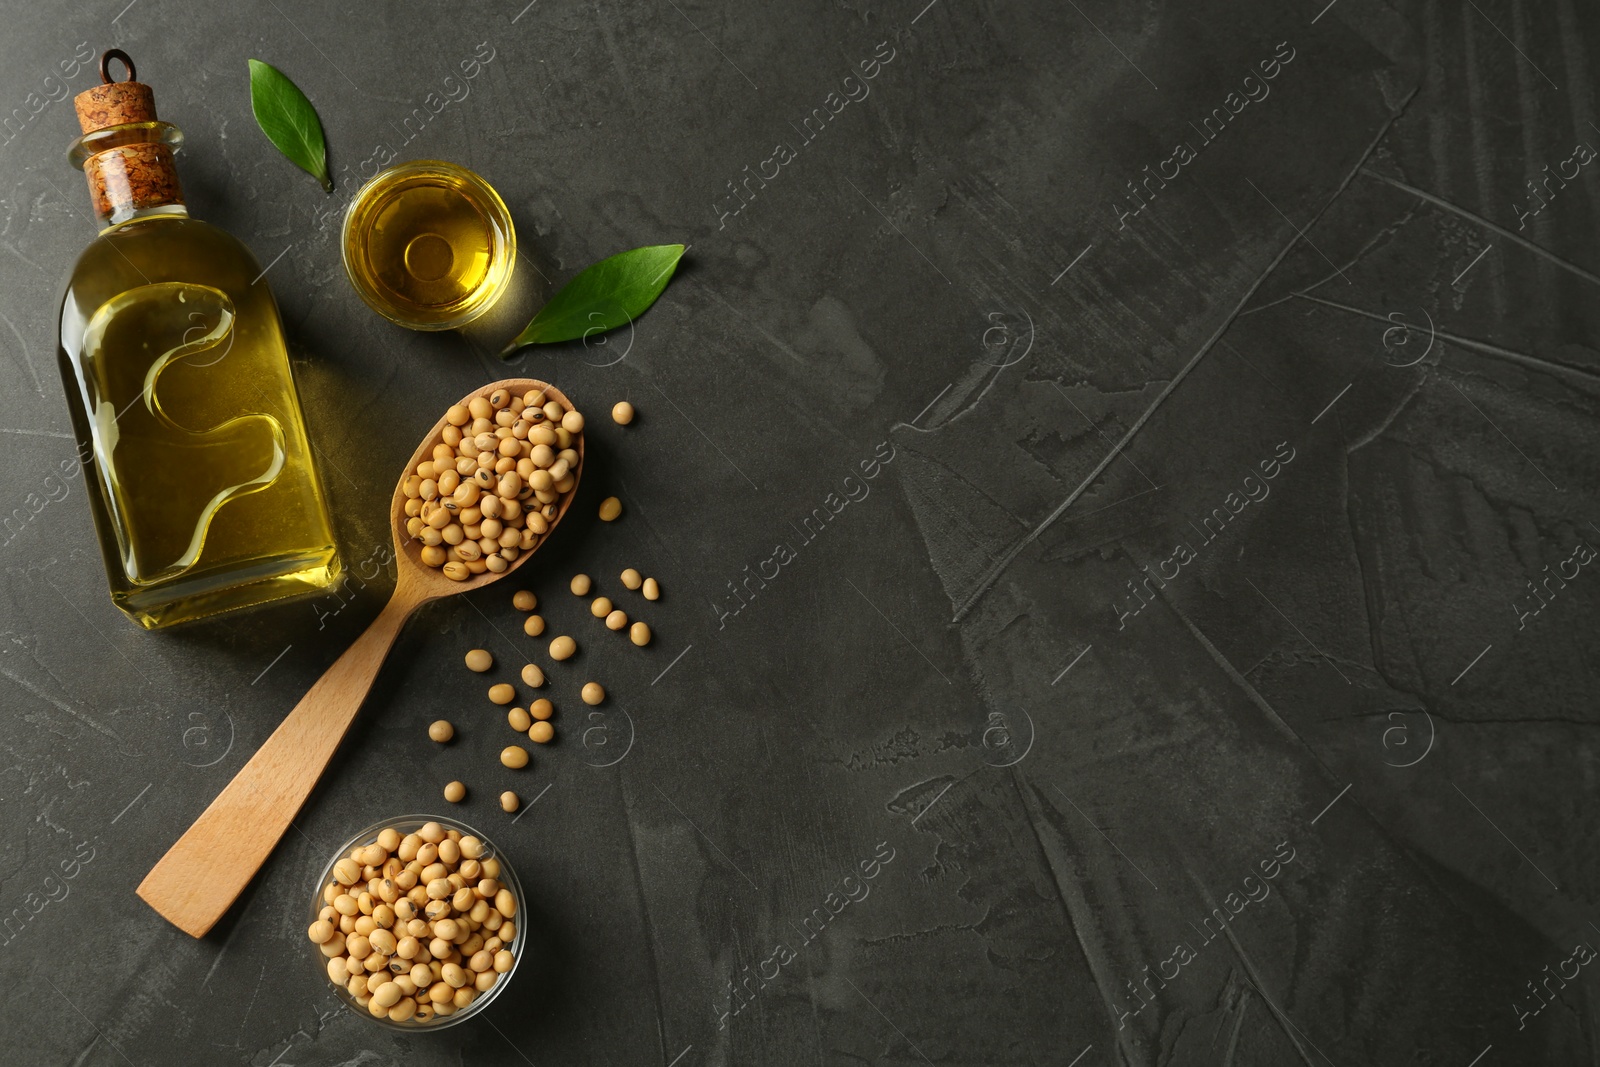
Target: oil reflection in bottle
x,y
153,404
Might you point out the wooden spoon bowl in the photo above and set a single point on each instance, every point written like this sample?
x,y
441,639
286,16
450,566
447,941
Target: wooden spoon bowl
x,y
207,868
431,579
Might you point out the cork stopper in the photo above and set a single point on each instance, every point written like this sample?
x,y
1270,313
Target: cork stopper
x,y
112,103
127,171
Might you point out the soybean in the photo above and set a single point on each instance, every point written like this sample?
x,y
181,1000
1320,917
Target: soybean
x,y
632,579
533,625
562,648
610,509
541,733
479,660
640,634
532,676
601,607
652,589
509,801
502,693
622,413
617,620
441,731
514,756
519,720
523,600
593,693
580,585
541,709
455,792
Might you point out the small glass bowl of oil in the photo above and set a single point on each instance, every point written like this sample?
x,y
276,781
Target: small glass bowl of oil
x,y
429,245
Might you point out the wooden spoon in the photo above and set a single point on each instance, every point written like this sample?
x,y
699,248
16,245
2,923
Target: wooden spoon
x,y
208,867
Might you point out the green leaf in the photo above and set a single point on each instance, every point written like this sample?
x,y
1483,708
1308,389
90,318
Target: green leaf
x,y
612,293
289,121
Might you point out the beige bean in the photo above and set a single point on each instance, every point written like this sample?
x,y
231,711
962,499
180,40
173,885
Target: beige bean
x,y
572,422
503,961
533,676
432,555
458,415
541,709
652,589
441,731
509,801
580,585
514,756
322,929
639,634
524,600
632,579
455,792
593,693
562,648
502,694
601,607
505,903
541,733
496,564
519,720
622,413
456,571
617,620
479,660
610,509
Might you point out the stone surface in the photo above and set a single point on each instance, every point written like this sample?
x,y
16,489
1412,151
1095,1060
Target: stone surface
x,y
1093,483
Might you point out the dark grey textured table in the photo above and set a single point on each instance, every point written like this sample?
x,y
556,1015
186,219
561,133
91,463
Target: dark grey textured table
x,y
1096,466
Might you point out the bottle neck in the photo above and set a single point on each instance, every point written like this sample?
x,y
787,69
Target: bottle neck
x,y
131,170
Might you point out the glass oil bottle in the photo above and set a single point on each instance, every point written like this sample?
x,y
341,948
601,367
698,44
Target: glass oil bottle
x,y
200,476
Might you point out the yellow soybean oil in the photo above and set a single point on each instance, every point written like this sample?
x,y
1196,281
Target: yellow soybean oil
x,y
429,245
178,380
198,469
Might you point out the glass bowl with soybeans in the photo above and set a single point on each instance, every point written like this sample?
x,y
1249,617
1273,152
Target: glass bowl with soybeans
x,y
417,922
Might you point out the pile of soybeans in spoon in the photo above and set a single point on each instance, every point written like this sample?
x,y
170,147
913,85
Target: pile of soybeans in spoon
x,y
494,483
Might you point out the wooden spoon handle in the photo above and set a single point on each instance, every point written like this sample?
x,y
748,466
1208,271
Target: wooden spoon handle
x,y
208,867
